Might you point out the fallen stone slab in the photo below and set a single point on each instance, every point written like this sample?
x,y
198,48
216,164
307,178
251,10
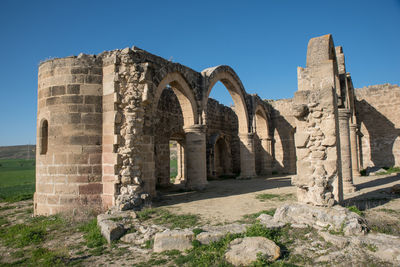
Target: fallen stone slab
x,y
215,233
173,239
334,218
243,251
339,241
111,230
268,222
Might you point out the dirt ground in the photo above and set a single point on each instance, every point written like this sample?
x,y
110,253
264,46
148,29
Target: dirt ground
x,y
228,200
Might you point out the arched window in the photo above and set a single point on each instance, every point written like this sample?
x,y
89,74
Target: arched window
x,y
43,137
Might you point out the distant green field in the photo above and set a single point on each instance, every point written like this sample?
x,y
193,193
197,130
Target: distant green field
x,y
17,179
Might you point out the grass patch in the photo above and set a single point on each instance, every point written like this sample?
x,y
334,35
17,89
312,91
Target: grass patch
x,y
355,210
252,218
390,170
371,247
93,237
166,218
197,231
207,255
265,197
17,179
33,232
149,244
390,211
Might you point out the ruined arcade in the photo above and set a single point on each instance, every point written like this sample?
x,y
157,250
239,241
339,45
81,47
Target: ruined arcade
x,y
105,122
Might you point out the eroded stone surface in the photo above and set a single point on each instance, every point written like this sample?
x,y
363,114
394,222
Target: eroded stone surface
x,y
243,251
173,239
336,218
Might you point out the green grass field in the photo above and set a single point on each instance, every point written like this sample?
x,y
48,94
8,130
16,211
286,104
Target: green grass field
x,y
17,179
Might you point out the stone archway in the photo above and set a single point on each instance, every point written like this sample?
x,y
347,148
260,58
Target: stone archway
x,y
232,83
195,140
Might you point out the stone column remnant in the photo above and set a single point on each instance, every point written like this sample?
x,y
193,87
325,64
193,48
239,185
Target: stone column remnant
x,y
318,166
247,157
354,150
195,153
347,174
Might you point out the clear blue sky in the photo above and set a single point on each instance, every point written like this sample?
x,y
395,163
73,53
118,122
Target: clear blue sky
x,y
263,41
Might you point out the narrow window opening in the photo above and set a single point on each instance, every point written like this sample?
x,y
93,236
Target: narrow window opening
x,y
44,134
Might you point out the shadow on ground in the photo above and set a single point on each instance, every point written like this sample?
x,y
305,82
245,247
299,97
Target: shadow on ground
x,y
218,189
374,198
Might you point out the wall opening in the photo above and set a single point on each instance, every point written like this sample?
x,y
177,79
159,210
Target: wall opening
x,y
176,161
44,137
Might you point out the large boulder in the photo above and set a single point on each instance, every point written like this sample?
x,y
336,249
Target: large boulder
x,y
215,233
335,218
173,239
243,251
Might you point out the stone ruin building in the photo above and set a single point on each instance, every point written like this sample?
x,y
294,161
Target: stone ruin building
x,y
105,122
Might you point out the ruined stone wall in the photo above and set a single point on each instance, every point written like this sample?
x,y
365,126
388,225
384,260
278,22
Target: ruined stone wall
x,y
318,178
222,121
68,160
284,128
378,109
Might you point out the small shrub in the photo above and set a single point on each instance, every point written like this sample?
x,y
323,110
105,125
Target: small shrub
x,y
363,172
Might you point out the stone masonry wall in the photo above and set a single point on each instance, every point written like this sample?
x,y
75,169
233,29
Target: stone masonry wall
x,y
284,128
223,121
378,109
318,178
68,174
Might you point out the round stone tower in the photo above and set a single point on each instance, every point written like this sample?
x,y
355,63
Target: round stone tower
x,y
69,125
